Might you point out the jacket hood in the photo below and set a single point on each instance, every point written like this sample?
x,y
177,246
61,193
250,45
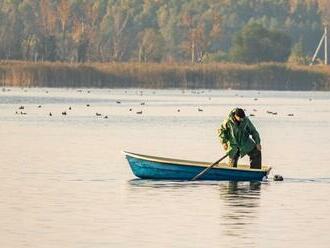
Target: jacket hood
x,y
231,116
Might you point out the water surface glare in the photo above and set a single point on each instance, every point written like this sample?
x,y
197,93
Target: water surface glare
x,y
65,182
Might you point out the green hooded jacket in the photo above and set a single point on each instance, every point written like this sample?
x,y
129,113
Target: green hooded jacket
x,y
238,135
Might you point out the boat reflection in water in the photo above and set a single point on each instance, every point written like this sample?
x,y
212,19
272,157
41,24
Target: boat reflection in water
x,y
227,212
240,211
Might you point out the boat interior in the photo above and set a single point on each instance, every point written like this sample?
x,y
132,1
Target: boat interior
x,y
192,163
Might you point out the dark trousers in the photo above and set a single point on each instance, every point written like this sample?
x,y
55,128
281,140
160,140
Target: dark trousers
x,y
255,159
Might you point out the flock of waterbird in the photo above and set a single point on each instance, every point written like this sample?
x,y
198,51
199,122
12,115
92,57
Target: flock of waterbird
x,y
21,109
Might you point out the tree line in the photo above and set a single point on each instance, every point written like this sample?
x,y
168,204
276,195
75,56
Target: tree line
x,y
246,31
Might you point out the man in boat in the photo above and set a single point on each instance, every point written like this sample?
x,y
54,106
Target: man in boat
x,y
235,133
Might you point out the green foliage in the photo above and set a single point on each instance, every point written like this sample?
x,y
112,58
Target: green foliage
x,y
255,44
297,55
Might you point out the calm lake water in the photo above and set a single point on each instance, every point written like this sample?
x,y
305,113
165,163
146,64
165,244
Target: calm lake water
x,y
65,182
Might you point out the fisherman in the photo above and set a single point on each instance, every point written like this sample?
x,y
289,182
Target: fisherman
x,y
235,133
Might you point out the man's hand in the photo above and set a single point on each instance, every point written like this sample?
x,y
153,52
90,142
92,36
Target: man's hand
x,y
225,146
259,147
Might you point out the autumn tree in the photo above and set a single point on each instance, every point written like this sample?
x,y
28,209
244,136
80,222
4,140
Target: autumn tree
x,y
167,18
12,30
150,46
48,22
325,10
63,11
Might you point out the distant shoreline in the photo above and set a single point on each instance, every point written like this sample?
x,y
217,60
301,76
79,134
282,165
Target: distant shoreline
x,y
265,76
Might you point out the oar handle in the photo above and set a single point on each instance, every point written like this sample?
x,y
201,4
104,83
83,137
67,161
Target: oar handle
x,y
208,168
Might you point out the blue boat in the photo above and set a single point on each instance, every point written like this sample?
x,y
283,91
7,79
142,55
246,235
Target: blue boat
x,y
151,167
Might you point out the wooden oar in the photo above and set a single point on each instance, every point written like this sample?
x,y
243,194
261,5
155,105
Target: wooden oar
x,y
208,168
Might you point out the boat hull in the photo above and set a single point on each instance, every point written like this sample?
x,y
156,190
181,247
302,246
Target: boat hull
x,y
146,168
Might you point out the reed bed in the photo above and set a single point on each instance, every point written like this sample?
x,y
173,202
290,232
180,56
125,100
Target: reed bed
x,y
265,76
